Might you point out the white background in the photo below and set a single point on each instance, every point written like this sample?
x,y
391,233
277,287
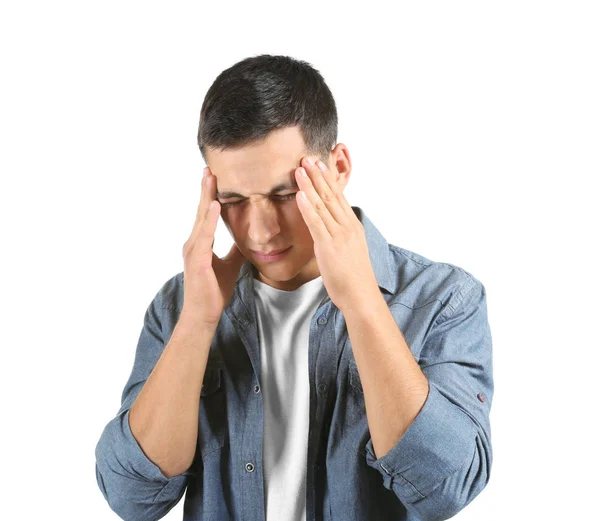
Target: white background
x,y
474,133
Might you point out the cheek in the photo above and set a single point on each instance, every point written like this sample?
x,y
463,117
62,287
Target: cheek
x,y
225,219
232,224
297,226
231,217
290,219
292,212
294,217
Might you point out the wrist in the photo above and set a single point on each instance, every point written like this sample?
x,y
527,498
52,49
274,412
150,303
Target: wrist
x,y
366,306
189,319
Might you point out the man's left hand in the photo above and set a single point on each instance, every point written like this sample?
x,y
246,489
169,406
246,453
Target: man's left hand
x,y
339,237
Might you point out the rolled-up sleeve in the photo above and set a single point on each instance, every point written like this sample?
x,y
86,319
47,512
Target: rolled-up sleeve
x,y
134,487
444,459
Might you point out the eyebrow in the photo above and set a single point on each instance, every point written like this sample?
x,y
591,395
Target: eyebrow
x,y
289,185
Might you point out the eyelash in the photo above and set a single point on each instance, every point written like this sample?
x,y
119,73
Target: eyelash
x,y
279,198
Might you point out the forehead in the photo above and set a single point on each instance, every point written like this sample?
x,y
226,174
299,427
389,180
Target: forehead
x,y
258,167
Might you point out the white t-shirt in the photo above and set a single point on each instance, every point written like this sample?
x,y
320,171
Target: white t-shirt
x,y
283,328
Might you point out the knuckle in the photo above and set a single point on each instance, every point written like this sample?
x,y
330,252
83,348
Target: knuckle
x,y
328,197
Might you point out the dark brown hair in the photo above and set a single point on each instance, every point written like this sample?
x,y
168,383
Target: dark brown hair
x,y
264,93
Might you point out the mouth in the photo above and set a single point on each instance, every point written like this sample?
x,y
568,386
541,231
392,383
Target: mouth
x,y
273,255
269,253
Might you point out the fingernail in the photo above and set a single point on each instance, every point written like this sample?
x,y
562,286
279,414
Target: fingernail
x,y
310,161
321,166
205,171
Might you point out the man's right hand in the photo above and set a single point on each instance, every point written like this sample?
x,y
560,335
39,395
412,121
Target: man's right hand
x,y
208,280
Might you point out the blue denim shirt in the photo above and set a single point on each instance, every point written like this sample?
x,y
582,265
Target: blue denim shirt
x,y
440,464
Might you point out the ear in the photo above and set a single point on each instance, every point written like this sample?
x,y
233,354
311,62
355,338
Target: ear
x,y
340,162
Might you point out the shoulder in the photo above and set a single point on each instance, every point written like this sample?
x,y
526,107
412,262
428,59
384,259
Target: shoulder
x,y
170,294
420,280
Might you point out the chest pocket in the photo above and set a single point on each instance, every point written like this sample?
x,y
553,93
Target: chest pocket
x,y
212,417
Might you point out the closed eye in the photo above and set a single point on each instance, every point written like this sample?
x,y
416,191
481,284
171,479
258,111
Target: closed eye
x,y
277,198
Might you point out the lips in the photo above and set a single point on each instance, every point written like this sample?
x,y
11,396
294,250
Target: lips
x,y
270,253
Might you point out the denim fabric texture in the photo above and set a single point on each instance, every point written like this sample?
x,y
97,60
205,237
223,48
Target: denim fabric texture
x,y
442,462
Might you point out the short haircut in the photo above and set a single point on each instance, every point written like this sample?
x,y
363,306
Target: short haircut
x,y
263,93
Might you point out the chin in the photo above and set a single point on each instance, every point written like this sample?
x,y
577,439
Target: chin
x,y
280,273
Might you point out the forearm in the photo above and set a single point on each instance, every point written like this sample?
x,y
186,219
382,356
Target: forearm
x,y
441,458
164,416
394,386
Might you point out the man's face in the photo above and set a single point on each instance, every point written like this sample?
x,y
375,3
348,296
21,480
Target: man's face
x,y
261,220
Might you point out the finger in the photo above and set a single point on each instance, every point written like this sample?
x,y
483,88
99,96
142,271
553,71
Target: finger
x,y
205,200
214,207
204,196
313,220
326,187
316,209
207,228
203,232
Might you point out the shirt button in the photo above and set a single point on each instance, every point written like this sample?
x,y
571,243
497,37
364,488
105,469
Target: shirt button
x,y
481,397
256,389
322,388
321,321
249,467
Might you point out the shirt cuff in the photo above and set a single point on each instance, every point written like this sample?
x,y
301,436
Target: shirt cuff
x,y
435,445
140,463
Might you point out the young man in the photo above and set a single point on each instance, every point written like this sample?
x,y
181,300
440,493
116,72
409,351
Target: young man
x,y
316,372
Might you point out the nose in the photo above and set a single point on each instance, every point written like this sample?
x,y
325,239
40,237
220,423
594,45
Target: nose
x,y
263,223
